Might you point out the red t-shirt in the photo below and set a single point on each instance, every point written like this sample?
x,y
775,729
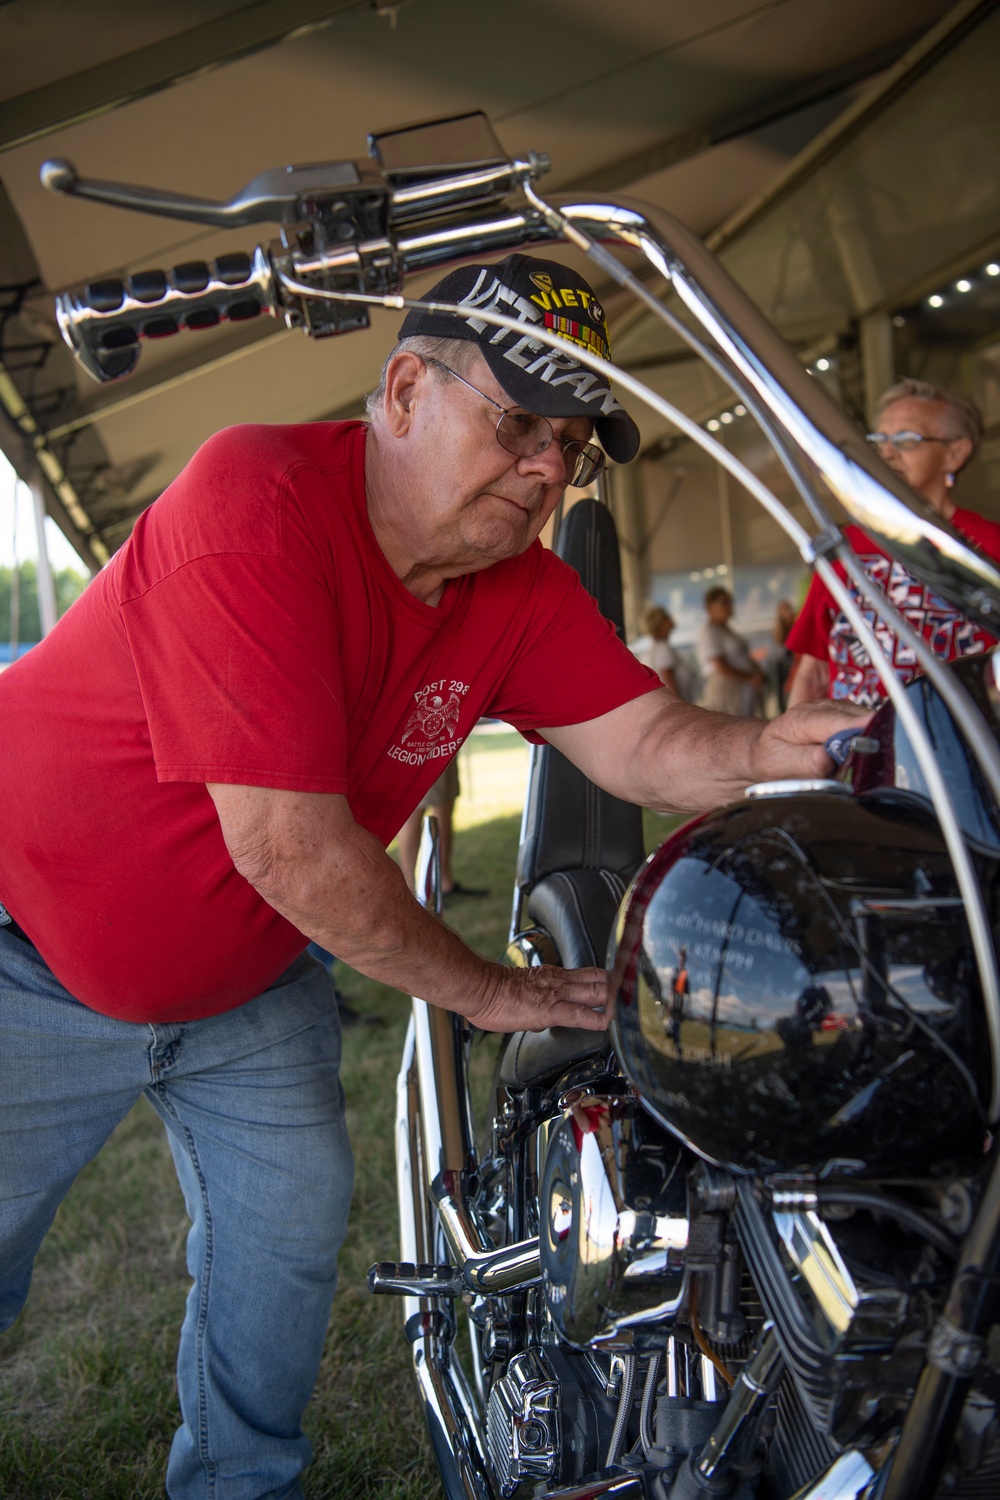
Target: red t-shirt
x,y
823,630
252,632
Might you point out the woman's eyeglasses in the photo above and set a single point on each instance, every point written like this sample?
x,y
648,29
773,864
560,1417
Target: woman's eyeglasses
x,y
904,442
524,435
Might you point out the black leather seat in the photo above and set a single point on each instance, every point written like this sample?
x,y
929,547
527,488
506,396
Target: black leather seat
x,y
580,846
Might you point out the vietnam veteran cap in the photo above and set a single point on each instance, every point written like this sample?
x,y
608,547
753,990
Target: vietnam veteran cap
x,y
542,380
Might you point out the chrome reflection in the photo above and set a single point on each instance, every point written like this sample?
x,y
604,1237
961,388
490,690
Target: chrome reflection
x,y
607,1265
814,1254
847,1478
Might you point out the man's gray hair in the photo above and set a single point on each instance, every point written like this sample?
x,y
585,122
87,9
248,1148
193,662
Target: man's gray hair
x,y
458,354
965,420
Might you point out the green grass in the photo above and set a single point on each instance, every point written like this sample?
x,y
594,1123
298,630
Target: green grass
x,y
87,1398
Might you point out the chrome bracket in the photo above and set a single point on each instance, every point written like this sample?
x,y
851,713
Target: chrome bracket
x,y
825,542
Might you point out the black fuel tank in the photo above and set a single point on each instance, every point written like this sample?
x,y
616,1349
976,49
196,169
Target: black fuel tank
x,y
795,983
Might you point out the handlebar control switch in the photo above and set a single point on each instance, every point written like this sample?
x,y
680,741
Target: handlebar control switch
x,y
341,244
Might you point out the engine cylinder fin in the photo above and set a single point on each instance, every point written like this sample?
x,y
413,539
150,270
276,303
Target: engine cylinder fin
x,y
800,1450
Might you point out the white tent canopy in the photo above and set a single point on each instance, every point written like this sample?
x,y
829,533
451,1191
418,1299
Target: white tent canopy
x,y
698,111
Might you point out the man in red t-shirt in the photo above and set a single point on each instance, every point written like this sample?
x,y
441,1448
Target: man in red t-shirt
x,y
200,769
927,435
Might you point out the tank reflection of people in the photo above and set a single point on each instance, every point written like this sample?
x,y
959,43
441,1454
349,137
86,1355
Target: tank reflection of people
x,y
661,656
440,801
679,991
796,1030
928,435
732,680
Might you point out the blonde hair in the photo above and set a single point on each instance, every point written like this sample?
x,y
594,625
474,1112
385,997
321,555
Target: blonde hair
x,y
654,618
965,418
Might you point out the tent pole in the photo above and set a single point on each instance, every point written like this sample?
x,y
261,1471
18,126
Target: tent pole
x,y
46,587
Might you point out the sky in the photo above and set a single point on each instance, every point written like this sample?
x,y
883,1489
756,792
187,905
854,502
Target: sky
x,y
61,554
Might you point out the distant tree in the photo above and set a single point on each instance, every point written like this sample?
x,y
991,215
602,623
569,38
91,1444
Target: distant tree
x,y
69,585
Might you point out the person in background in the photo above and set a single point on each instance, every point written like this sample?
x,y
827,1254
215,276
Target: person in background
x,y
440,800
928,436
660,655
779,658
732,678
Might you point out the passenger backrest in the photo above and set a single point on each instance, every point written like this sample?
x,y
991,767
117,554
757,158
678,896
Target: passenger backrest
x,y
569,823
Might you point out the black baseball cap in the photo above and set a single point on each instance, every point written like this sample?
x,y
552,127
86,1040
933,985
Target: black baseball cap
x,y
542,380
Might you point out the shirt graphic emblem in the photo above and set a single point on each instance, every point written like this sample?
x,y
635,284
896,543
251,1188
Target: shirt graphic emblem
x,y
430,731
435,718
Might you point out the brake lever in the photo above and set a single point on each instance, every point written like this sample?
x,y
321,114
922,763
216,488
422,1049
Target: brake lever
x,y
278,196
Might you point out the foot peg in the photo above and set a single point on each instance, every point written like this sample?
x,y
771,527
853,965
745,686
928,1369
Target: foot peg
x,y
403,1279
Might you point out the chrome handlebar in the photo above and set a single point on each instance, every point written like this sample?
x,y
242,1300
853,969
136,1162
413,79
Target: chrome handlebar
x,y
361,229
428,196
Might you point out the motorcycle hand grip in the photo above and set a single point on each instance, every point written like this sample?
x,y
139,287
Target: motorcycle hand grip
x,y
105,322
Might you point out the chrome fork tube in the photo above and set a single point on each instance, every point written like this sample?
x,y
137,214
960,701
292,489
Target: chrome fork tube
x,y
450,1410
446,1130
449,1158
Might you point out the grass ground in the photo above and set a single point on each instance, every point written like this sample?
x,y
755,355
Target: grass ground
x,y
87,1399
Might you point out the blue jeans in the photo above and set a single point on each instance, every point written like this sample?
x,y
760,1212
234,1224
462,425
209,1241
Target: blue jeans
x,y
254,1113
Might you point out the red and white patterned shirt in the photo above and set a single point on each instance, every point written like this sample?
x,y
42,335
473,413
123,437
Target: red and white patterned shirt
x,y
823,630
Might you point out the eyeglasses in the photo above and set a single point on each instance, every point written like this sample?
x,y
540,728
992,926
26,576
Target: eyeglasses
x,y
904,442
524,435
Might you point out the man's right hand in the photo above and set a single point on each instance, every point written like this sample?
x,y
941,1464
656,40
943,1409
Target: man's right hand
x,y
534,999
305,856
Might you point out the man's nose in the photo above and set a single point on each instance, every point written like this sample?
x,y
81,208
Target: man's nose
x,y
549,464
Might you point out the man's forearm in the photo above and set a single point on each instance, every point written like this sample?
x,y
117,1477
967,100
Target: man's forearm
x,y
679,758
674,757
304,854
690,759
352,899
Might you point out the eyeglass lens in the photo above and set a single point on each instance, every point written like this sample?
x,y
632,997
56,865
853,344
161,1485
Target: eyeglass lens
x,y
521,433
905,442
525,435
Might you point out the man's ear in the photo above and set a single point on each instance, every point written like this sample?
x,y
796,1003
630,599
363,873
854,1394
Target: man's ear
x,y
402,380
958,454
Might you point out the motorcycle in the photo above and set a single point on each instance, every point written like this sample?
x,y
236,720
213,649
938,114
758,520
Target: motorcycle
x,y
747,1243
